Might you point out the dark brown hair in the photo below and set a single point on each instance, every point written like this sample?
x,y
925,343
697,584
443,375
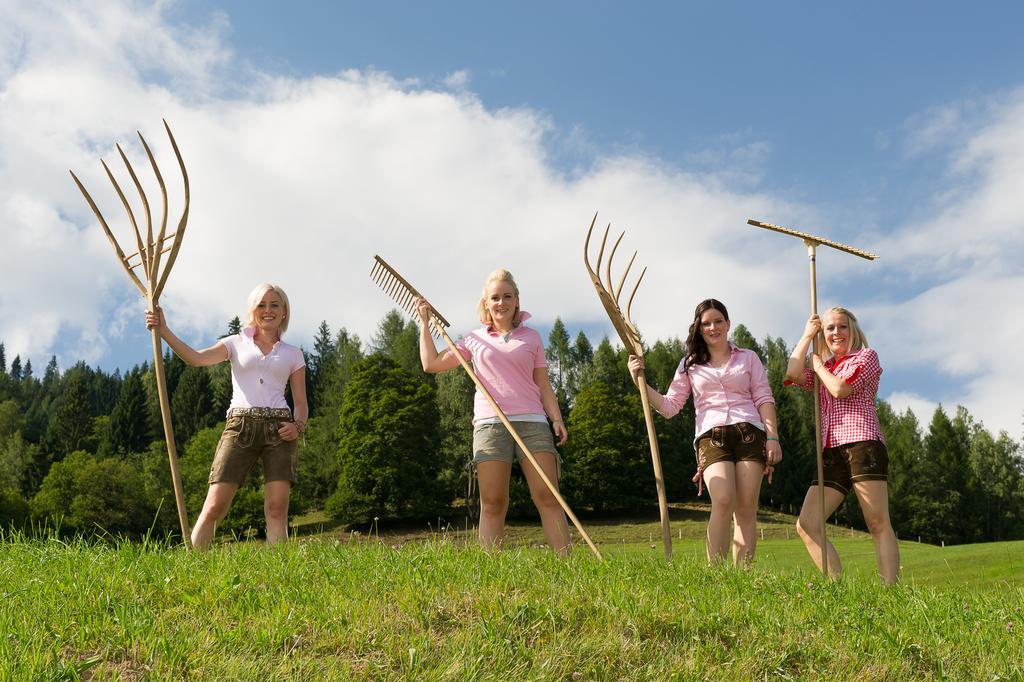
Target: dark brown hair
x,y
697,352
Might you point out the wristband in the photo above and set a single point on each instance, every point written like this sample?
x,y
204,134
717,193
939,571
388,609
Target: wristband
x,y
774,439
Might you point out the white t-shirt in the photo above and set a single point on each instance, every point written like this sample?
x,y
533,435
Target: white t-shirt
x,y
258,380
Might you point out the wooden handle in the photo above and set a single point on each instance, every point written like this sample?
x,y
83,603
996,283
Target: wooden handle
x,y
659,477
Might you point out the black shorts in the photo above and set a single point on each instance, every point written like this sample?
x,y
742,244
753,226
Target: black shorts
x,y
741,442
865,460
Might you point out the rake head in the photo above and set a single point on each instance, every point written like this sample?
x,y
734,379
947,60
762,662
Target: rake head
x,y
404,294
609,294
813,240
151,248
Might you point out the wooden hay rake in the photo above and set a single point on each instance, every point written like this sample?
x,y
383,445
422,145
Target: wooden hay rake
x,y
151,284
812,242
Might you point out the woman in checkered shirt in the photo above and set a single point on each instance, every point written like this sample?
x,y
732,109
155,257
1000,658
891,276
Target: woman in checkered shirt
x,y
854,450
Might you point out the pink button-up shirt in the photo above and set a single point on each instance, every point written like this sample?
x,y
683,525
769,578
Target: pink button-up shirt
x,y
721,396
505,367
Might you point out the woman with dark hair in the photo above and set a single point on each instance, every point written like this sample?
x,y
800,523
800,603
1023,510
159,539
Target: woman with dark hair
x,y
854,452
260,425
737,438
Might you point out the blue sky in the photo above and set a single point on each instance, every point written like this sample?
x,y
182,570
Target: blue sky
x,y
456,137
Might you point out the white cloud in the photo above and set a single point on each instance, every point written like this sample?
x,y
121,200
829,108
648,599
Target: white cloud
x,y
301,180
922,408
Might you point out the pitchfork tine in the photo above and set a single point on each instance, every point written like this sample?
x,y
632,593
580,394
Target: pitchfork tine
x,y
182,222
163,219
110,235
149,215
629,303
624,275
586,246
143,254
609,287
600,252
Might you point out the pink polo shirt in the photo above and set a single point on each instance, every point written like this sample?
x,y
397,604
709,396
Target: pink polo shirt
x,y
723,396
505,368
258,380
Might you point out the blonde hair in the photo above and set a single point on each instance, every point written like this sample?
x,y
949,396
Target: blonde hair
x,y
857,338
499,275
257,294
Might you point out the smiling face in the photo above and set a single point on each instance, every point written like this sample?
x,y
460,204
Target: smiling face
x,y
714,328
502,303
270,313
837,331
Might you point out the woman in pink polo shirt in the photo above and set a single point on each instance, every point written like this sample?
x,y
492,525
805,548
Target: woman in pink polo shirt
x,y
854,452
260,426
508,358
737,432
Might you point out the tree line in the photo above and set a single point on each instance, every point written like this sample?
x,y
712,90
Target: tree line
x,y
82,450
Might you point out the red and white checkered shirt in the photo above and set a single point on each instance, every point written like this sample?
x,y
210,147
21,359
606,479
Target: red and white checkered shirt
x,y
853,418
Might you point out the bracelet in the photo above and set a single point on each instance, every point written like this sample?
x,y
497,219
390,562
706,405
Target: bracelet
x,y
774,439
557,421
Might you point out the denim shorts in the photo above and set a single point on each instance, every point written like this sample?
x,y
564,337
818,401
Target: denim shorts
x,y
493,442
865,460
741,442
248,438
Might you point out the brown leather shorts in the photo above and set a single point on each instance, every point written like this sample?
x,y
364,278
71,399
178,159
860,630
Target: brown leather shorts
x,y
865,460
741,442
249,438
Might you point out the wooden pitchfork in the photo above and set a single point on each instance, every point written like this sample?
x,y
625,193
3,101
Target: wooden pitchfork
x,y
405,295
812,242
151,283
623,323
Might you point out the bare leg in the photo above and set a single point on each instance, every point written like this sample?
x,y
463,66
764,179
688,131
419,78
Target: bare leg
x,y
874,502
556,527
808,527
748,489
720,478
215,508
492,478
275,509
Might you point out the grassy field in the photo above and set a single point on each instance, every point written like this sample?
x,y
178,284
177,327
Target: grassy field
x,y
393,606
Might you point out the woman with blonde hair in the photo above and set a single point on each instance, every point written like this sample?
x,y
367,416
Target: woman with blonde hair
x,y
260,425
508,358
854,452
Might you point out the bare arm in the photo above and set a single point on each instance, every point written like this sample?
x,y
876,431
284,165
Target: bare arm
x,y
218,352
635,365
798,359
432,361
833,384
550,402
300,414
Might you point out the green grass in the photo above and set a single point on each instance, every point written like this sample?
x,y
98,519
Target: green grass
x,y
441,609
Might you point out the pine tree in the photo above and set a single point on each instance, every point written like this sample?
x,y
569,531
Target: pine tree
x,y
582,356
559,362
26,375
234,326
607,463
389,437
192,404
319,362
16,368
3,359
129,430
400,341
71,421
